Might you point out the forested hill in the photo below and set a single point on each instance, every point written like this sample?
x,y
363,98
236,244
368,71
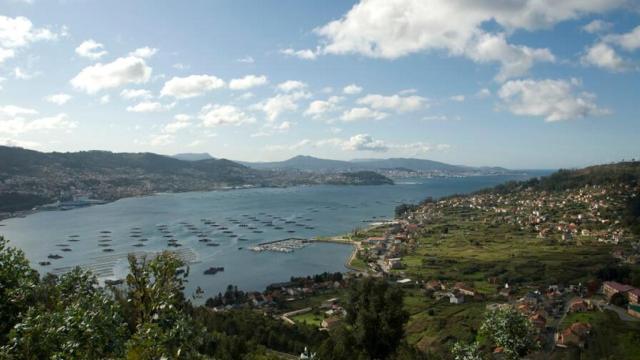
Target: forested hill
x,y
618,173
29,178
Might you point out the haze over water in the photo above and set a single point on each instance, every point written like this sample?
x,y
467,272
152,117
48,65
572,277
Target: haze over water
x,y
311,211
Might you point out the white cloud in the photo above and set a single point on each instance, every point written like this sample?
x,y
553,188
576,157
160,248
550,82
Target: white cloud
x,y
597,26
19,143
246,96
515,60
291,85
246,60
362,113
483,93
215,115
148,107
22,74
6,54
274,106
394,102
604,56
180,66
352,89
181,121
91,49
394,28
15,121
105,99
305,54
555,100
58,99
122,71
144,52
191,86
130,94
247,82
319,107
12,110
293,147
161,139
285,125
364,142
458,98
629,41
441,118
18,33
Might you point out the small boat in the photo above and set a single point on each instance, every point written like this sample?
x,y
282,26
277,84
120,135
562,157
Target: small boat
x,y
138,245
73,240
65,249
213,270
44,263
257,231
107,250
213,244
54,256
105,232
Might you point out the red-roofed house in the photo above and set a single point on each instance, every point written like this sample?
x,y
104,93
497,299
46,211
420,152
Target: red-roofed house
x,y
633,296
610,288
575,335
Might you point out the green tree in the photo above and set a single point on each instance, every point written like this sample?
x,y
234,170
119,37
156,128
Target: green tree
x,y
376,316
17,284
510,330
618,299
156,306
463,351
78,321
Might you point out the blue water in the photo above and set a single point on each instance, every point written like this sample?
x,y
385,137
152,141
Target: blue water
x,y
313,211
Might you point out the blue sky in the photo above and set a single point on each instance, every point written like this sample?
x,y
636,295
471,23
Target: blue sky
x,y
521,84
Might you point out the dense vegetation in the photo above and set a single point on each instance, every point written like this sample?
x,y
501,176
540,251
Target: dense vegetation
x,y
10,202
71,317
104,175
618,173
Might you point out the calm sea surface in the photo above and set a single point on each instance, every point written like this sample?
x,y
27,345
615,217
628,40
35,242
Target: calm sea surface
x,y
250,217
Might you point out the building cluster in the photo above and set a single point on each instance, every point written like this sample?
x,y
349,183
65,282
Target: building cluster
x,y
591,212
384,253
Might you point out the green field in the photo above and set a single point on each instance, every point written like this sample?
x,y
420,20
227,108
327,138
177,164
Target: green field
x,y
313,318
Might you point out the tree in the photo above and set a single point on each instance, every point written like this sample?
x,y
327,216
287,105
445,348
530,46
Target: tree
x,y
160,325
510,330
618,299
463,351
376,315
79,321
17,284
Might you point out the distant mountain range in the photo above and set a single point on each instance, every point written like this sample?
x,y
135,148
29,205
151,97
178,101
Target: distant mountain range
x,y
29,178
193,156
392,165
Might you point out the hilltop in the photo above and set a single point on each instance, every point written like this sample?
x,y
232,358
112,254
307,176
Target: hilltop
x,y
29,178
193,156
395,167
